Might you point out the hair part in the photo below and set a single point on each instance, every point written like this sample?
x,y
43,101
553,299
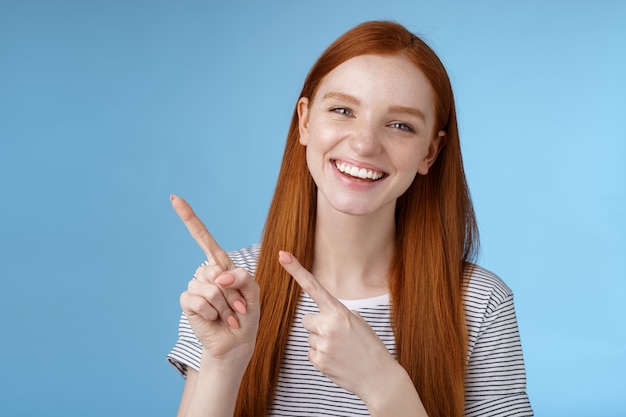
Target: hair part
x,y
436,236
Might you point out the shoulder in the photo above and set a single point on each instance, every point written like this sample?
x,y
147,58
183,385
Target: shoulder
x,y
489,307
247,257
483,288
487,299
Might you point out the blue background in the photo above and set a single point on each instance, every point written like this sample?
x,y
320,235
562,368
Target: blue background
x,y
107,107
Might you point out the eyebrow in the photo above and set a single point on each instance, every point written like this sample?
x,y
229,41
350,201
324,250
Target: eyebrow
x,y
392,109
408,110
342,96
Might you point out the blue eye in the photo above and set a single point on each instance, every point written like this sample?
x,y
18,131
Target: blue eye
x,y
402,126
341,110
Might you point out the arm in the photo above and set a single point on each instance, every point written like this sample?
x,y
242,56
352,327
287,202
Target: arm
x,y
212,391
496,377
396,397
190,385
221,305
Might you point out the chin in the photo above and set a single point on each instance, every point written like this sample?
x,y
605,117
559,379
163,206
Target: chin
x,y
353,208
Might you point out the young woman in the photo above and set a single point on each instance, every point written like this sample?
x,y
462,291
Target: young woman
x,y
362,298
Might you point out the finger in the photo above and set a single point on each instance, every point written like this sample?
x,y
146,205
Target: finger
x,y
240,280
324,300
315,358
216,299
312,323
208,272
314,341
200,233
233,296
214,274
194,304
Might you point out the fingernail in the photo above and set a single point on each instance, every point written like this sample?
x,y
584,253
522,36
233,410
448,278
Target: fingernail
x,y
172,197
232,322
284,257
225,279
239,306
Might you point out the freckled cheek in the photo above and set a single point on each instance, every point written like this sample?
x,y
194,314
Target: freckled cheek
x,y
323,139
315,163
406,172
408,161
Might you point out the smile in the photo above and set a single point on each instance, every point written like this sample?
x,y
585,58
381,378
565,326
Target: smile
x,y
356,172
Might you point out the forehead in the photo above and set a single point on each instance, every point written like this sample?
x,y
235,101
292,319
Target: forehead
x,y
389,79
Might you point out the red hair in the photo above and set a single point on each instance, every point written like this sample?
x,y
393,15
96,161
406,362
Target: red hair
x,y
436,236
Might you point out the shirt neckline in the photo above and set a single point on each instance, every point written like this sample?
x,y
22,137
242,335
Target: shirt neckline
x,y
379,300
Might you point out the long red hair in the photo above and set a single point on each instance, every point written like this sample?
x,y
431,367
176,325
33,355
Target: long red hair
x,y
436,237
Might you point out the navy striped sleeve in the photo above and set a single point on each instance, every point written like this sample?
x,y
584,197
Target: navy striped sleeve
x,y
496,377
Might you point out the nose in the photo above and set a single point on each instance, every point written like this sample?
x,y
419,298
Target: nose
x,y
365,139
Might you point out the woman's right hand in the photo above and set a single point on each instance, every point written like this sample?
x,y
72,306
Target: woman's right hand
x,y
222,302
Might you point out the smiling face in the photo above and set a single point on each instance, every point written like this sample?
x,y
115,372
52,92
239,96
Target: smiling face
x,y
369,130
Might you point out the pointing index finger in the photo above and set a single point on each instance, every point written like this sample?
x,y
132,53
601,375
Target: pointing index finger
x,y
309,284
214,253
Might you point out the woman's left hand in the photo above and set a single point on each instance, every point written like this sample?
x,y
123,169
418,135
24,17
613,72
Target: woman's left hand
x,y
343,346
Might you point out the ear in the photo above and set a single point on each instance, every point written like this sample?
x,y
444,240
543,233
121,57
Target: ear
x,y
303,119
433,150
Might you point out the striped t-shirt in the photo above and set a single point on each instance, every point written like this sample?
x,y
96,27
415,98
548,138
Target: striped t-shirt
x,y
496,378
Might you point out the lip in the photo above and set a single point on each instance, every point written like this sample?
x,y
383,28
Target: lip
x,y
354,181
359,164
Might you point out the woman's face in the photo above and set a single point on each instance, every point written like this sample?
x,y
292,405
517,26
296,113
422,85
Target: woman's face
x,y
368,132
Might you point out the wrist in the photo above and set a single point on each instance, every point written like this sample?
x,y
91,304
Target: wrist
x,y
216,387
397,396
233,362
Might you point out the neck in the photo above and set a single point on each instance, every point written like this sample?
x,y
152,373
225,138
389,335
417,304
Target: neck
x,y
353,253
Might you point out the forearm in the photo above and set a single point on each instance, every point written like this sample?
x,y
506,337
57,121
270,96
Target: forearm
x,y
396,396
216,389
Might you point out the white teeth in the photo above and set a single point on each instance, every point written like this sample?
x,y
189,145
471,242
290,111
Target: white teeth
x,y
358,172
